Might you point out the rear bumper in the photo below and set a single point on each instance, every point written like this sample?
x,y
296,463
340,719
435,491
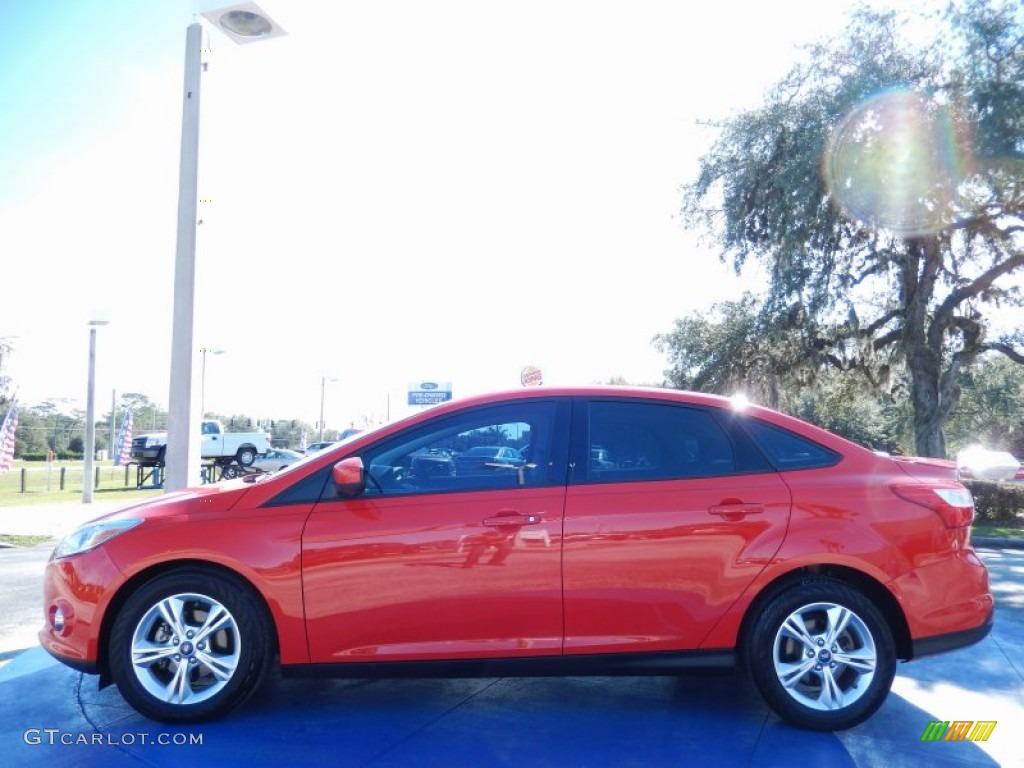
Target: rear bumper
x,y
947,603
926,646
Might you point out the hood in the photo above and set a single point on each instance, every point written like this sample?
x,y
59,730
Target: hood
x,y
187,502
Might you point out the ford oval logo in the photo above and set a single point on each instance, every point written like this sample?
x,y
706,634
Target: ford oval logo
x,y
428,385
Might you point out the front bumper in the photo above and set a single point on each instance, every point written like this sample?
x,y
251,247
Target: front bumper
x,y
77,591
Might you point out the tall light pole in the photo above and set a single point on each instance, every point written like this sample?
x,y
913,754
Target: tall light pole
x,y
202,388
113,420
90,414
242,23
323,385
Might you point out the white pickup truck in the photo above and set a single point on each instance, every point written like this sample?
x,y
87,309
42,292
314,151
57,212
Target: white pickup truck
x,y
223,447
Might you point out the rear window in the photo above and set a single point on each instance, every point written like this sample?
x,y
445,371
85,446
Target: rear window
x,y
787,450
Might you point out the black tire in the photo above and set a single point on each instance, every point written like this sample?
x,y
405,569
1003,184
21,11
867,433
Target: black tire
x,y
822,655
246,455
239,646
230,471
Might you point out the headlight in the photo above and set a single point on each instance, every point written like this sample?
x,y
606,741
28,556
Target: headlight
x,y
91,535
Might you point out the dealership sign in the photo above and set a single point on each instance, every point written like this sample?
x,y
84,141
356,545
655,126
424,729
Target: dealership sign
x,y
429,392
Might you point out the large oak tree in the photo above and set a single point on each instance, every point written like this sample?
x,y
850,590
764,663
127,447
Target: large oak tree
x,y
881,185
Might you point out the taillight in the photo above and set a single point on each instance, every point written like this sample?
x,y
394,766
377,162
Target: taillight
x,y
952,501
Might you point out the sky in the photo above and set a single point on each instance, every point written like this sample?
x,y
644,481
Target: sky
x,y
390,193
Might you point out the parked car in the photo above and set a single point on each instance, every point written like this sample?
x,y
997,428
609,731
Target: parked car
x,y
986,464
483,459
314,447
277,458
704,534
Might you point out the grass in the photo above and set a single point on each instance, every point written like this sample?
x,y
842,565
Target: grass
x,y
997,531
43,487
9,498
14,540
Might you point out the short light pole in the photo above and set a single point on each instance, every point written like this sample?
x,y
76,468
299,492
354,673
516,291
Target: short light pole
x,y
202,387
90,415
243,23
323,385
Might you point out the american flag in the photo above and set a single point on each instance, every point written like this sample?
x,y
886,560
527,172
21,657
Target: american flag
x,y
123,448
7,438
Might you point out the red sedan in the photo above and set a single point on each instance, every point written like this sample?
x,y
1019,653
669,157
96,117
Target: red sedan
x,y
644,532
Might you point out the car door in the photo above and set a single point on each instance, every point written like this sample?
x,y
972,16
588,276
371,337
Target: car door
x,y
431,564
670,514
212,442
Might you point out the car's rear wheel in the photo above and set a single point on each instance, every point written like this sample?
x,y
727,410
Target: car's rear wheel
x,y
189,645
246,455
822,655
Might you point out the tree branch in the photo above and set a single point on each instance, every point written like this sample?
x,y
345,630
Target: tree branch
x,y
981,283
1005,349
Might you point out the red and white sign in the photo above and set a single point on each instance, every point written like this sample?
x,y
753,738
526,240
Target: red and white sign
x,y
531,376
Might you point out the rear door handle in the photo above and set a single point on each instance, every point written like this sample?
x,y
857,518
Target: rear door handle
x,y
735,510
516,519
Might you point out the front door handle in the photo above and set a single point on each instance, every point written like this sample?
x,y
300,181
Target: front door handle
x,y
734,509
513,519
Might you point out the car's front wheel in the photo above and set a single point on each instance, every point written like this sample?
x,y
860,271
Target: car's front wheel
x,y
822,655
189,645
246,455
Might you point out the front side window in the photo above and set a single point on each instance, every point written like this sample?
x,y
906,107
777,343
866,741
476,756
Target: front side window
x,y
631,440
506,446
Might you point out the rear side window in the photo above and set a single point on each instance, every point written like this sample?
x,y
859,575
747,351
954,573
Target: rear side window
x,y
629,440
787,450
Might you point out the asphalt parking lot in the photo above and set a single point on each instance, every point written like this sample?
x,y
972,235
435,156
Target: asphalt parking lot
x,y
53,716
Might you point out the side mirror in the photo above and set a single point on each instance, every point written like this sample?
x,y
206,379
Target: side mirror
x,y
349,477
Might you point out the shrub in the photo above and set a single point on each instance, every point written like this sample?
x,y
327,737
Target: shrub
x,y
59,456
1001,503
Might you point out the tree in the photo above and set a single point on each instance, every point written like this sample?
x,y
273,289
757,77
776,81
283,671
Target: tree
x,y
991,407
840,403
740,346
146,415
883,189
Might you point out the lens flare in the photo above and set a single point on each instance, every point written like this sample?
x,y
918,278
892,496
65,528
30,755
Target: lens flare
x,y
899,161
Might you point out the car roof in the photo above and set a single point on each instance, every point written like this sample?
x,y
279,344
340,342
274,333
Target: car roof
x,y
593,390
738,404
